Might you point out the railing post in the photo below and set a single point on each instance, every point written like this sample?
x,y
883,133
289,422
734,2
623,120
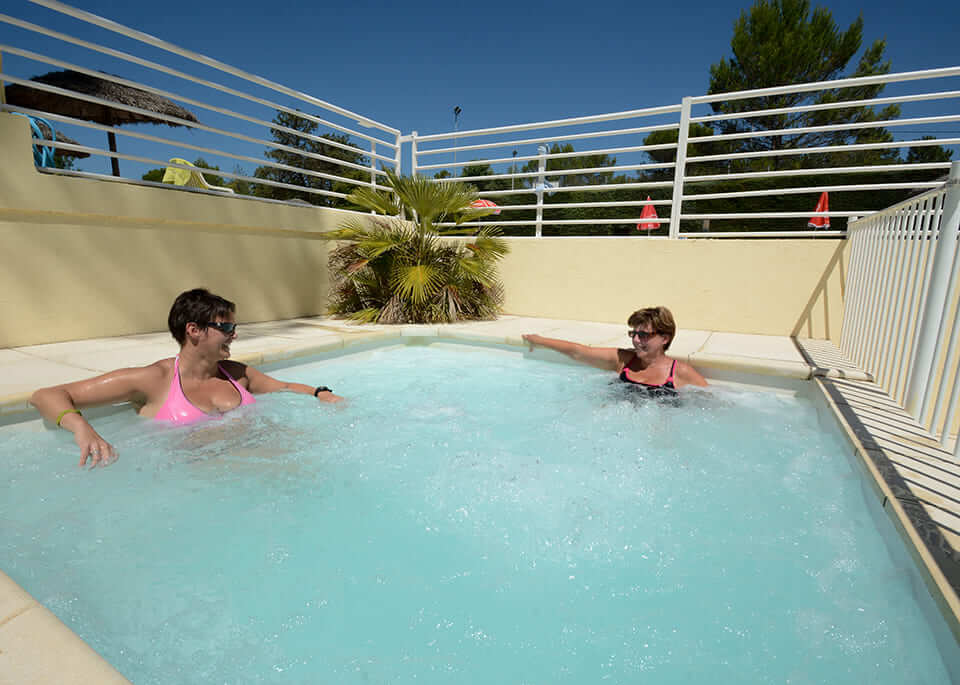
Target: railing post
x,y
413,153
373,164
679,171
541,186
398,157
935,309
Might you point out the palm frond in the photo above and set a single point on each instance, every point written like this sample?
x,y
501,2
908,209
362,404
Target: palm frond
x,y
375,200
480,270
431,199
489,244
416,282
472,214
368,315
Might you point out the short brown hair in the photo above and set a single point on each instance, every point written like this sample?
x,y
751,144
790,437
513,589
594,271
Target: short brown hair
x,y
199,306
660,320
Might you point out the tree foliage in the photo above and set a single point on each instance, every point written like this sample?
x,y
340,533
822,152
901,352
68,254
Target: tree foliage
x,y
312,161
779,43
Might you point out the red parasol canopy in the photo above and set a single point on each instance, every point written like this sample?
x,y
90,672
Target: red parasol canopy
x,y
649,212
482,204
823,205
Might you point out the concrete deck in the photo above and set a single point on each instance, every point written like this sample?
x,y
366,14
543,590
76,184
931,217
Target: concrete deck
x,y
918,481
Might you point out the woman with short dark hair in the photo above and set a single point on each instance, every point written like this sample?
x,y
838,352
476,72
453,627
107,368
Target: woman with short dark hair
x,y
198,383
645,365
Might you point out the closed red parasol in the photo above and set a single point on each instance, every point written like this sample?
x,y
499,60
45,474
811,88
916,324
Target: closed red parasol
x,y
483,204
823,205
649,212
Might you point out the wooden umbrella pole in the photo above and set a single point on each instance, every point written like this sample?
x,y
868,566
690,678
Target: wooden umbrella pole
x,y
112,143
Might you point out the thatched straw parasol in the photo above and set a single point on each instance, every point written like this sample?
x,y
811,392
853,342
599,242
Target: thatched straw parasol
x,y
25,96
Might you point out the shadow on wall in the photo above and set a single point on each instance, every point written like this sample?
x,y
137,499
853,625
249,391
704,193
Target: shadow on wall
x,y
810,320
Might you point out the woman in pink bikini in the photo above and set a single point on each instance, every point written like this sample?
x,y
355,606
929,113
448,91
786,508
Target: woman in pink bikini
x,y
644,365
198,383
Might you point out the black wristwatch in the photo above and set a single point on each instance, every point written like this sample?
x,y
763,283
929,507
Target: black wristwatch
x,y
320,389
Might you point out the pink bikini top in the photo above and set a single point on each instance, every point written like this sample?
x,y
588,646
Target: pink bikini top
x,y
178,409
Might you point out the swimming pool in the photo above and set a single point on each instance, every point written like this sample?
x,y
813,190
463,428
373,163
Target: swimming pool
x,y
477,516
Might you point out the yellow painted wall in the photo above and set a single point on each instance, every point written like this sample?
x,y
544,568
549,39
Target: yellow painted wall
x,y
767,287
83,258
89,258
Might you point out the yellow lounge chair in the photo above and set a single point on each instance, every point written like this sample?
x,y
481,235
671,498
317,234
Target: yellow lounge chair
x,y
193,179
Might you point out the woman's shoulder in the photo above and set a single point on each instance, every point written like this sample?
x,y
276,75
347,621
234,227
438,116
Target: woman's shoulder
x,y
687,374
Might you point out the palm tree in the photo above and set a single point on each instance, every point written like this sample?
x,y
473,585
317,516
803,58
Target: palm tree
x,y
393,270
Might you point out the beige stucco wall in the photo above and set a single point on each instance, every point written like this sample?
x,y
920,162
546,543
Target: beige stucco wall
x,y
83,258
767,287
88,258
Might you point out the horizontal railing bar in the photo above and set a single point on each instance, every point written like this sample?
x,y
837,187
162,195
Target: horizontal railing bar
x,y
189,146
181,98
550,139
563,172
817,172
549,155
558,222
210,62
814,189
201,170
828,105
826,149
772,215
824,85
182,122
765,234
821,129
586,205
570,189
167,186
573,121
183,75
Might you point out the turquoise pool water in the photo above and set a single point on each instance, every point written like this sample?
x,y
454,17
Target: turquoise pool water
x,y
470,517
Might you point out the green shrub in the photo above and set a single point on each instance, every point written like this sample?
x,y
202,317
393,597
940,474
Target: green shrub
x,y
390,269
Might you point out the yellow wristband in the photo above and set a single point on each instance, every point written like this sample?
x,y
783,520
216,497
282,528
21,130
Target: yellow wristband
x,y
65,412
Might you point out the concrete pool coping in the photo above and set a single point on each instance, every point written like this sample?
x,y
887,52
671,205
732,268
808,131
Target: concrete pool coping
x,y
36,647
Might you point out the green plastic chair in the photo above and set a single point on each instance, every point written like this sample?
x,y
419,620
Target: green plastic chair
x,y
189,177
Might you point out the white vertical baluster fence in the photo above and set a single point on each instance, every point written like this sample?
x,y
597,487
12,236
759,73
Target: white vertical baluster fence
x,y
900,322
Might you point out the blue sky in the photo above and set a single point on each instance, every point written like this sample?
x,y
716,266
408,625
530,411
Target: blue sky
x,y
409,64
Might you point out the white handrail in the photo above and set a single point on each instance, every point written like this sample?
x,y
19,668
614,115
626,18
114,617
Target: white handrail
x,y
210,62
189,146
172,72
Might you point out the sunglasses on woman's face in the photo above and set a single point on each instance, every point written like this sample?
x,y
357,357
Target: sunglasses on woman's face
x,y
642,336
225,327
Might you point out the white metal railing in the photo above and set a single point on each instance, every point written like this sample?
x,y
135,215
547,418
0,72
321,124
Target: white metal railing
x,y
902,298
605,183
234,134
686,178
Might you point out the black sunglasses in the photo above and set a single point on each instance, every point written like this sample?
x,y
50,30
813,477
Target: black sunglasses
x,y
642,335
225,327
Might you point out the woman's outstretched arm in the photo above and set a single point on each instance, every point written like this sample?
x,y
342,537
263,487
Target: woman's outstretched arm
x,y
601,357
